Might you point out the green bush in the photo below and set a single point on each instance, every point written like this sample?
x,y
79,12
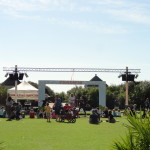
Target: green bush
x,y
138,137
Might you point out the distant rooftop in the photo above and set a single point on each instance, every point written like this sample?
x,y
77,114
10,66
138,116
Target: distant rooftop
x,y
96,78
9,82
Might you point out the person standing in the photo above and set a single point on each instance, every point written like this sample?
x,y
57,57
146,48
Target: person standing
x,y
9,104
82,104
57,107
72,100
147,103
18,109
48,112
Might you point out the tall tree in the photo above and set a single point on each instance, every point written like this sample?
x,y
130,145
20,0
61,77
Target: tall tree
x,y
3,94
48,90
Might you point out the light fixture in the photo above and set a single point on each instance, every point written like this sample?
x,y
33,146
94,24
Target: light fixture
x,y
136,76
26,75
6,74
119,75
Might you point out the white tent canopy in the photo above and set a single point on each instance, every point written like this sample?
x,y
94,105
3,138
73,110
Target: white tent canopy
x,y
24,91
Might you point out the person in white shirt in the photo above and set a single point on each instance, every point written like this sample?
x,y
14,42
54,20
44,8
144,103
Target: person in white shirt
x,y
119,113
72,100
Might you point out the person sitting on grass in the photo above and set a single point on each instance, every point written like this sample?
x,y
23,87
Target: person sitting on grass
x,y
114,113
32,113
105,112
75,113
48,112
144,113
111,117
94,119
98,112
119,113
2,112
39,113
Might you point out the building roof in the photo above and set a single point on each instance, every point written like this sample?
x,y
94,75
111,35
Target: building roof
x,y
9,82
96,78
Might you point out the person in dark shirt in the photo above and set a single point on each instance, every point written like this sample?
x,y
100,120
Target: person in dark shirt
x,y
94,119
147,104
111,117
57,106
44,103
98,112
18,109
82,104
12,114
9,104
105,112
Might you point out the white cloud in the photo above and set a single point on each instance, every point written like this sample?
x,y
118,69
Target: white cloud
x,y
41,1
131,14
90,26
35,5
108,13
85,9
123,10
16,5
108,2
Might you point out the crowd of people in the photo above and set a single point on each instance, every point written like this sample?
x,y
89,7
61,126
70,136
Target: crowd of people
x,y
58,110
14,110
97,114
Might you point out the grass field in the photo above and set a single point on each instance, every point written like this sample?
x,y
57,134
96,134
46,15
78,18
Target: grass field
x,y
37,134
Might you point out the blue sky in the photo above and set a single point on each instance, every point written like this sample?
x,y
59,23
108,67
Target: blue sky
x,y
75,33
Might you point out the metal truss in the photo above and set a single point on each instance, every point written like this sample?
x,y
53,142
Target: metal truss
x,y
27,69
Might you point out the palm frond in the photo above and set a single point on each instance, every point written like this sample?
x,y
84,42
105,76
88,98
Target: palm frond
x,y
138,137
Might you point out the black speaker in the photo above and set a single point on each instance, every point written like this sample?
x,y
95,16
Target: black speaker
x,y
11,76
123,77
16,76
131,77
21,76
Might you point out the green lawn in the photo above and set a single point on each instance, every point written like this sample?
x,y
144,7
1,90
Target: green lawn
x,y
37,134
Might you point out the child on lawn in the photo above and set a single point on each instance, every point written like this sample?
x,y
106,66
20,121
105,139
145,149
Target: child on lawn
x,y
48,112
